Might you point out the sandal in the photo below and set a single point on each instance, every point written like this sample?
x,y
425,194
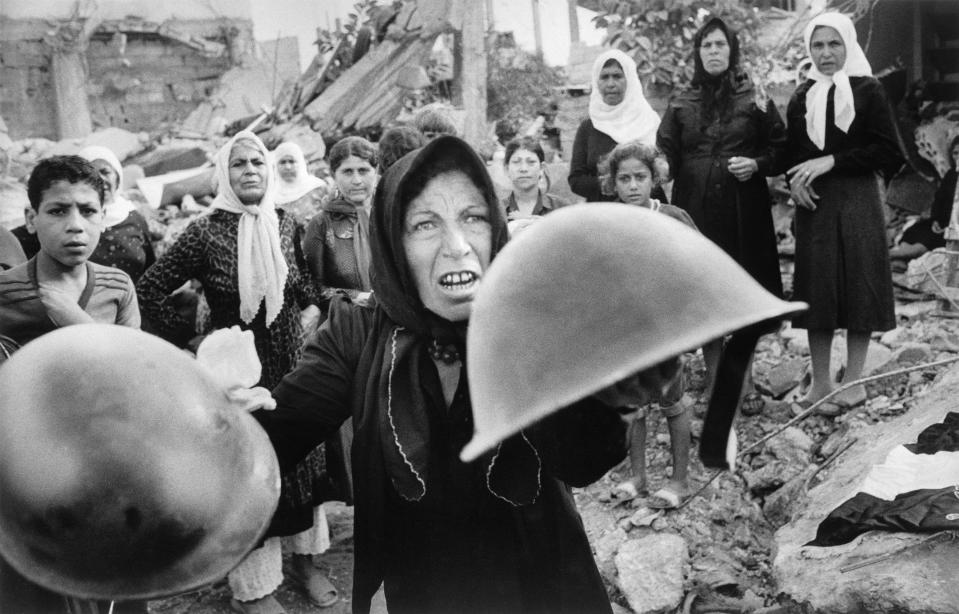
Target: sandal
x,y
626,491
752,403
664,499
314,583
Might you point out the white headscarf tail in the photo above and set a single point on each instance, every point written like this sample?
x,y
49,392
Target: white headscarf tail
x,y
289,191
816,98
261,267
633,118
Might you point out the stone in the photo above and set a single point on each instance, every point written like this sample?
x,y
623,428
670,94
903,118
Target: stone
x,y
796,341
784,377
895,337
650,572
914,310
943,341
784,457
912,353
919,580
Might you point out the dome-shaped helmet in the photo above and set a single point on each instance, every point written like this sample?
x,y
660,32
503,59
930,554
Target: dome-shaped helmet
x,y
589,295
125,470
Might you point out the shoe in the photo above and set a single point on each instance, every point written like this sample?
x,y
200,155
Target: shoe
x,y
664,499
752,403
263,605
314,583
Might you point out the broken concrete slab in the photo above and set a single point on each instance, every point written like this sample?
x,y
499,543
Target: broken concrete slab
x,y
650,572
920,580
13,202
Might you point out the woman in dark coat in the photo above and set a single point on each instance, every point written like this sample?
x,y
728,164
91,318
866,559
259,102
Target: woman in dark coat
x,y
722,139
618,112
841,140
500,534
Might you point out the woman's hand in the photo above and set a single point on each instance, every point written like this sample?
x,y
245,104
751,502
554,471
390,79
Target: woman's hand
x,y
801,177
742,168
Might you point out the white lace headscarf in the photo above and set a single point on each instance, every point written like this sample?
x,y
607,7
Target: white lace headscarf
x,y
633,118
261,267
856,66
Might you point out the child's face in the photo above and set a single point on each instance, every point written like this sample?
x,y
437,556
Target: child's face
x,y
68,222
634,182
524,169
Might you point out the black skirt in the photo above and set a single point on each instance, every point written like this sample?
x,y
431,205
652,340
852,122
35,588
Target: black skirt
x,y
842,260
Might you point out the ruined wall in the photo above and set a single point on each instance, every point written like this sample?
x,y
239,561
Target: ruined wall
x,y
140,77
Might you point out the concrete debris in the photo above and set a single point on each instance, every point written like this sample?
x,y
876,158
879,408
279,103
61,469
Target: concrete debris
x,y
651,571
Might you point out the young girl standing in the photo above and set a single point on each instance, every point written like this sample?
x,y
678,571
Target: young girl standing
x,y
630,172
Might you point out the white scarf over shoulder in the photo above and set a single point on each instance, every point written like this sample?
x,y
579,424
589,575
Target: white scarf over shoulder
x,y
631,119
856,66
289,191
261,267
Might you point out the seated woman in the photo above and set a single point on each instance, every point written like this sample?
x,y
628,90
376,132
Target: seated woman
x,y
497,535
524,159
929,233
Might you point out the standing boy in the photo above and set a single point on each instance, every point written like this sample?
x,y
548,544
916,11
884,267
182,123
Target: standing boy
x,y
58,286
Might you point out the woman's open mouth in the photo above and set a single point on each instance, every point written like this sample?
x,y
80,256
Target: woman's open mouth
x,y
459,280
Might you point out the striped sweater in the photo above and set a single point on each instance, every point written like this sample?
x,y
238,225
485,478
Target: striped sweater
x,y
108,297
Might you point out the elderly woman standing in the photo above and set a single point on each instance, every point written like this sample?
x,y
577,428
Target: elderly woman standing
x,y
497,535
842,140
125,242
618,112
298,192
722,139
242,251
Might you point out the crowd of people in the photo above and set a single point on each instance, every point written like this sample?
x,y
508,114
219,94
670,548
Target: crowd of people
x,y
358,293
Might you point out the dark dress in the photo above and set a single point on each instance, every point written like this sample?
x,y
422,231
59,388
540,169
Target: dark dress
x,y
206,251
923,231
736,215
460,548
589,147
126,246
842,259
329,254
545,203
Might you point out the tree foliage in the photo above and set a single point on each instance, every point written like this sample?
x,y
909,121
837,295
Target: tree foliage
x,y
658,34
519,84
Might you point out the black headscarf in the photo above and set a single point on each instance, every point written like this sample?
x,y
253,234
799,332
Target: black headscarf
x,y
392,280
717,91
513,470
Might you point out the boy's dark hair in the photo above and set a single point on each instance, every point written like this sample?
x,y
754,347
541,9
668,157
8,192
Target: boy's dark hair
x,y
72,169
433,123
608,166
352,146
524,142
396,143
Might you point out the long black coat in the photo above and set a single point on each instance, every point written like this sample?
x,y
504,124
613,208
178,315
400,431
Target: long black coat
x,y
735,215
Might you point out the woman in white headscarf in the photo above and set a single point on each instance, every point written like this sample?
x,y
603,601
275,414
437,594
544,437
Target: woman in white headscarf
x,y
242,252
125,242
298,192
842,142
618,112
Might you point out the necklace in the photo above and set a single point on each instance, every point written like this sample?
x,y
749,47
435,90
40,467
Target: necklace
x,y
447,354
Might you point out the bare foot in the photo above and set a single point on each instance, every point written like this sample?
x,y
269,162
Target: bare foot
x,y
851,397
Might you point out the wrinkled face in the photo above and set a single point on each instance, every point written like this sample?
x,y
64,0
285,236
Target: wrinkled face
x,y
356,178
109,177
248,173
68,222
634,182
827,50
524,169
714,52
612,83
286,168
448,239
